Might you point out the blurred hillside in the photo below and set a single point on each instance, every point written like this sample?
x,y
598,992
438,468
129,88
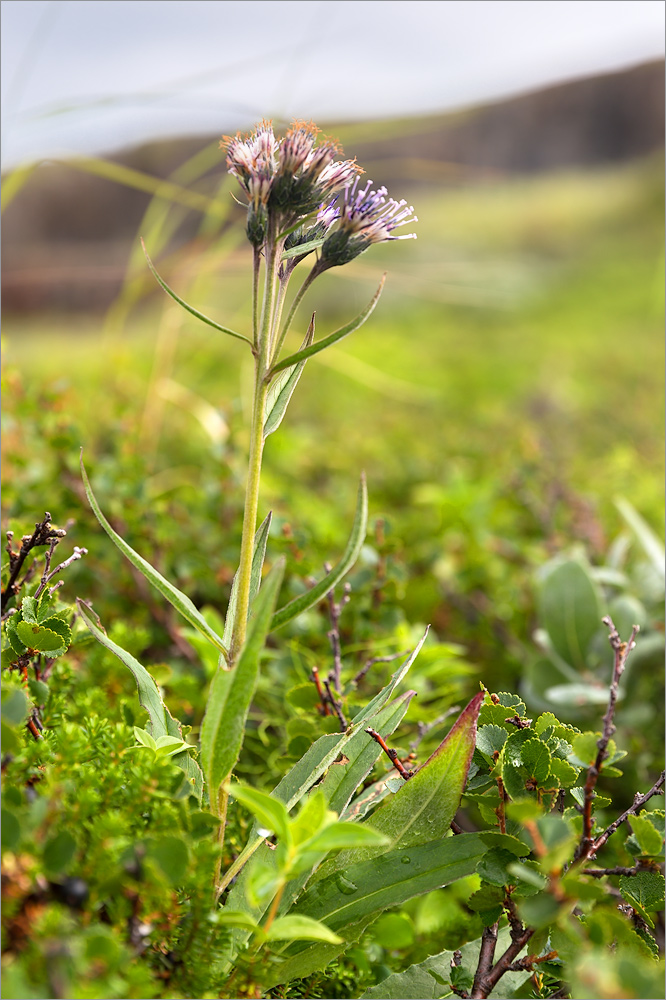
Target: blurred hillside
x,y
67,230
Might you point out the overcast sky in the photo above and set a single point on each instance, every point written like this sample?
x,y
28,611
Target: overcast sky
x,y
89,76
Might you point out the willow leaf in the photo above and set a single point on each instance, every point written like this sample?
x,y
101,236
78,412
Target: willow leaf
x,y
349,557
321,755
346,902
333,338
175,597
283,387
258,556
232,690
188,308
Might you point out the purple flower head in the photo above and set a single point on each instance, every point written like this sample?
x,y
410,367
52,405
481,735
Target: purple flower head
x,y
366,217
252,159
373,216
307,172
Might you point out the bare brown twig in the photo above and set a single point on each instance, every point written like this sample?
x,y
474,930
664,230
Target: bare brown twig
x,y
43,534
621,650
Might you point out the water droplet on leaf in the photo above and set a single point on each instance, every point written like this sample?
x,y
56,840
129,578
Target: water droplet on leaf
x,y
345,885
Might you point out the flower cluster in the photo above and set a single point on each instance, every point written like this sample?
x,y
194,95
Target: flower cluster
x,y
299,180
366,217
291,179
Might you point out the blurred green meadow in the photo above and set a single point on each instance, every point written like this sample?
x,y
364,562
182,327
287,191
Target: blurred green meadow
x,y
506,391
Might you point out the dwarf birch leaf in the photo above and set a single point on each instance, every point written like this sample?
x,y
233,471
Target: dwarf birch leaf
x,y
258,556
333,338
349,557
180,601
232,690
42,639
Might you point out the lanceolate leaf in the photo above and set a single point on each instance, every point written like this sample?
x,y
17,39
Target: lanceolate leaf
x,y
282,388
321,755
260,541
346,901
423,808
349,557
333,338
188,308
162,722
180,601
232,690
648,540
390,879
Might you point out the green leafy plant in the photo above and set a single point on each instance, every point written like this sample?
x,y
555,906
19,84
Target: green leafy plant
x,y
241,891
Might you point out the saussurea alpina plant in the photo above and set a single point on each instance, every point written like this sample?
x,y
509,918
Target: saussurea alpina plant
x,y
563,886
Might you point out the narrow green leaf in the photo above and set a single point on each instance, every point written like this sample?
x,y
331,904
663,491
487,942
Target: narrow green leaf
x,y
319,758
235,918
349,557
282,388
149,695
231,692
425,805
269,812
190,309
337,836
300,928
333,338
303,248
570,610
356,896
180,601
650,543
161,720
258,556
362,753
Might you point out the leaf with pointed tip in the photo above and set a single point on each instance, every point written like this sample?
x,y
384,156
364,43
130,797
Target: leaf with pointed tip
x,y
175,597
258,556
349,557
282,388
321,755
362,891
231,692
302,249
190,309
299,928
333,338
161,720
650,543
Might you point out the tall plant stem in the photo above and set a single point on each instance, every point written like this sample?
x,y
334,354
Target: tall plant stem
x,y
261,352
220,810
298,298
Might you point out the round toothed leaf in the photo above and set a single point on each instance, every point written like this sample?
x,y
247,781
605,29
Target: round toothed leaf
x,y
41,639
